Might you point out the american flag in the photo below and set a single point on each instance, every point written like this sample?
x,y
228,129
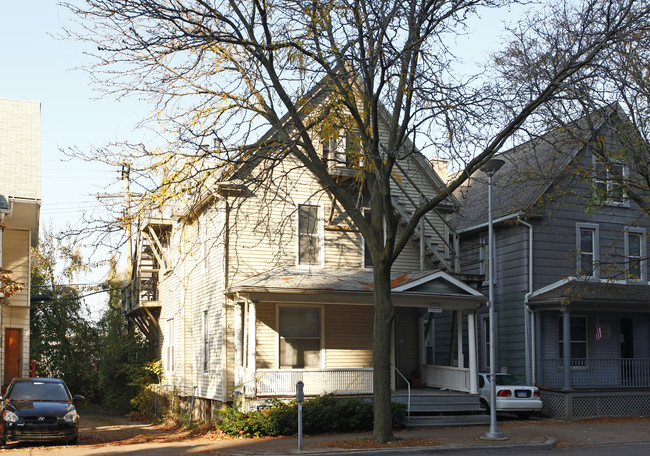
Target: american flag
x,y
599,329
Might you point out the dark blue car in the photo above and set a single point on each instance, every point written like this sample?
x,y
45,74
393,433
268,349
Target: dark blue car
x,y
39,410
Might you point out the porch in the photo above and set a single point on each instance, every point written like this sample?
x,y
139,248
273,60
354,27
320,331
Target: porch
x,y
620,373
348,381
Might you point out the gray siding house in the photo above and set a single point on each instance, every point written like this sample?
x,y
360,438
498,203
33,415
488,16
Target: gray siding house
x,y
570,265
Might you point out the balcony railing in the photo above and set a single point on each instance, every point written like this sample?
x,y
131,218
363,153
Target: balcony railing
x,y
282,382
597,373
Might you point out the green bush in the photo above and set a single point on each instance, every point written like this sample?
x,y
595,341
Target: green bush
x,y
321,414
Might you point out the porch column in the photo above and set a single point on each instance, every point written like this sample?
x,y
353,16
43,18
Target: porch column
x,y
473,362
238,343
252,359
566,350
459,341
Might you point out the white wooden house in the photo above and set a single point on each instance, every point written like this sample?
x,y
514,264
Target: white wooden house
x,y
249,290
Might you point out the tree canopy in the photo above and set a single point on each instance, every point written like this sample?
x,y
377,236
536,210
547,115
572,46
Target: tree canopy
x,y
220,74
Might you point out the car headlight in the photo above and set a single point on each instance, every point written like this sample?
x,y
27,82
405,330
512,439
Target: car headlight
x,y
9,417
71,417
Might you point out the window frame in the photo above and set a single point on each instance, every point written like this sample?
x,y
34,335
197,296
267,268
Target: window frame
x,y
170,351
320,234
321,335
205,345
608,182
641,258
560,340
595,254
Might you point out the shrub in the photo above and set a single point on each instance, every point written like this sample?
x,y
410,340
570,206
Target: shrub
x,y
320,414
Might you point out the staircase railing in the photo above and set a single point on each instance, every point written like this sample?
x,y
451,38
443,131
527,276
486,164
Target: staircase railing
x,y
418,230
408,387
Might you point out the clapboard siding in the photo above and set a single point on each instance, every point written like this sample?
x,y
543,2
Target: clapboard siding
x,y
348,336
267,336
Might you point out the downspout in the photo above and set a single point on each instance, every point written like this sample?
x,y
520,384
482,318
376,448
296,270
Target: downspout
x,y
530,367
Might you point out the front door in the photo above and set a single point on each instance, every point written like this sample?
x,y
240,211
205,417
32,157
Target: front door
x,y
627,350
12,355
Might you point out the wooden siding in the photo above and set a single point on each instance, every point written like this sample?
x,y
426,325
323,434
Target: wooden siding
x,y
348,336
267,336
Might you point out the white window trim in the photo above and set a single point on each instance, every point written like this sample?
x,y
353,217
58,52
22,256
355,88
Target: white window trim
x,y
170,352
321,310
485,347
596,253
321,234
643,273
608,181
205,341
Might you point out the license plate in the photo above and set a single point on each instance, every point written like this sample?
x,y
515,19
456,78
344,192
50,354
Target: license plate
x,y
521,393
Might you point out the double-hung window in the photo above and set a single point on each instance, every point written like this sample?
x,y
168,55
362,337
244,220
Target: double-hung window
x,y
635,254
310,236
578,327
300,337
607,180
587,248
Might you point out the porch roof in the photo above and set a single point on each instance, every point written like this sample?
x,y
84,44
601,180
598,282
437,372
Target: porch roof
x,y
355,286
582,294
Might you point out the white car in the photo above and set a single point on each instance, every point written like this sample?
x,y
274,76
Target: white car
x,y
512,395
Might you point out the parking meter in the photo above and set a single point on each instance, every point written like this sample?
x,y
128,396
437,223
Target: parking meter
x,y
300,396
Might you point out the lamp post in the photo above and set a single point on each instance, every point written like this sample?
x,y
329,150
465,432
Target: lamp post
x,y
490,167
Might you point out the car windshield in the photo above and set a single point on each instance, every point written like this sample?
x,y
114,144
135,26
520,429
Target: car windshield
x,y
38,391
507,379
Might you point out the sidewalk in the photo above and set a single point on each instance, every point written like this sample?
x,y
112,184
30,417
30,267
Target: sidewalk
x,y
533,434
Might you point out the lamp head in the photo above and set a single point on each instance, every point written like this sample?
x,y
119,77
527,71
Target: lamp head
x,y
492,166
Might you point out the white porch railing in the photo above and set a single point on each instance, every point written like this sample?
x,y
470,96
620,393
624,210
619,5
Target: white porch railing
x,y
282,382
454,378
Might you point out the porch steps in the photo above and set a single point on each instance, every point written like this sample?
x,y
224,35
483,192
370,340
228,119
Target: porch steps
x,y
440,408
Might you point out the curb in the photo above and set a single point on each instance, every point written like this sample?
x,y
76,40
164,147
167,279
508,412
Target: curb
x,y
519,447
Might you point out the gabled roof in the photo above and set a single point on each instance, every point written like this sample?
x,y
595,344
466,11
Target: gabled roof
x,y
529,170
355,286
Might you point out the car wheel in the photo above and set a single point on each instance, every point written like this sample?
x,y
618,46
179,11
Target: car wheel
x,y
524,415
485,405
3,442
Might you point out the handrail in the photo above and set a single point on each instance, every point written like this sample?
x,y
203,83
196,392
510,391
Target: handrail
x,y
408,387
414,185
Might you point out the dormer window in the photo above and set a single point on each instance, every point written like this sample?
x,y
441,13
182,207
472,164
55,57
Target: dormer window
x,y
340,150
606,187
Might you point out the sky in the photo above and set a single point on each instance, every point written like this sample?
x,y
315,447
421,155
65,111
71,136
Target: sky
x,y
37,65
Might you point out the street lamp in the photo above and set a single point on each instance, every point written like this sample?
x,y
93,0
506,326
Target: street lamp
x,y
490,167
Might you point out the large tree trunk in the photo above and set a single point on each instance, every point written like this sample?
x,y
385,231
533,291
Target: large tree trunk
x,y
383,428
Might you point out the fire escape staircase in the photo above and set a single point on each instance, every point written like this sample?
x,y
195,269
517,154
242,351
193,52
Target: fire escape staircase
x,y
427,237
140,298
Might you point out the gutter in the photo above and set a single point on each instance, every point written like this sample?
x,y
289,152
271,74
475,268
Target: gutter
x,y
469,229
530,366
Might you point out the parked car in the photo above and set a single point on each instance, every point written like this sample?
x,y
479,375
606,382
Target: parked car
x,y
511,395
39,410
